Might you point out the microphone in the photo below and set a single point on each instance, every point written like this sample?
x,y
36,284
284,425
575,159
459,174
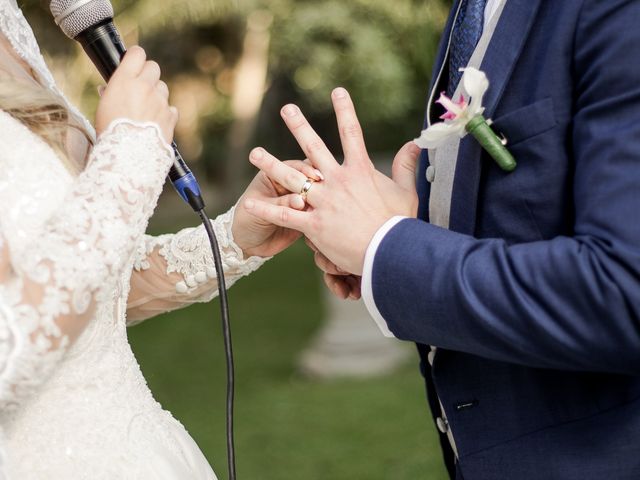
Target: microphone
x,y
90,22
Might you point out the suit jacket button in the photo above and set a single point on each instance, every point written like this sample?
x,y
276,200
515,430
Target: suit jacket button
x,y
443,425
431,173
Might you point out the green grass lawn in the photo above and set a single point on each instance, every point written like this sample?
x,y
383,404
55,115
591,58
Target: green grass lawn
x,y
287,427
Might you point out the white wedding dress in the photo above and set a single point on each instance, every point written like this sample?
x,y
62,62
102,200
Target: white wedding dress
x,y
73,401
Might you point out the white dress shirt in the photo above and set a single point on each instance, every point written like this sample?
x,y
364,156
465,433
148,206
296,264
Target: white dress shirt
x,y
367,287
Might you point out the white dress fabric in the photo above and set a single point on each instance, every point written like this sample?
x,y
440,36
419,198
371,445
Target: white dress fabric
x,y
73,401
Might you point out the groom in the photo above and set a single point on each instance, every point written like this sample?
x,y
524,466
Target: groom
x,y
522,290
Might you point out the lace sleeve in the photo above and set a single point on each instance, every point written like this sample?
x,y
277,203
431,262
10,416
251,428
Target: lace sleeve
x,y
173,271
52,280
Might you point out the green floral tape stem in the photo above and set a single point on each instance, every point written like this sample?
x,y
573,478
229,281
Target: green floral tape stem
x,y
465,116
482,132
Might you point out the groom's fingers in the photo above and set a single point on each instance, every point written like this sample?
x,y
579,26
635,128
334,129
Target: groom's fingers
x,y
311,144
337,285
294,201
404,166
355,283
326,265
278,215
351,136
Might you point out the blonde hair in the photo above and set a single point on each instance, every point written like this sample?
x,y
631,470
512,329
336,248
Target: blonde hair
x,y
46,115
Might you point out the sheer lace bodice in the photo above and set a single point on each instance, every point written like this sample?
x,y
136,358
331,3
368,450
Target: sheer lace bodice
x,y
73,402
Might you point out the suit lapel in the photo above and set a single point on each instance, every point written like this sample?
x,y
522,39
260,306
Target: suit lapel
x,y
504,50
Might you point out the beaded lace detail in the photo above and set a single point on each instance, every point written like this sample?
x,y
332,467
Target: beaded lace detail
x,y
189,253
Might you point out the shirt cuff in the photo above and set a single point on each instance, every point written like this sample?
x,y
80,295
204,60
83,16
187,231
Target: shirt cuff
x,y
367,275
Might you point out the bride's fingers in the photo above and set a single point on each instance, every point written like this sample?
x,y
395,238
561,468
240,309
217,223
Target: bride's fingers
x,y
163,89
277,171
306,168
280,190
351,136
311,144
278,215
282,175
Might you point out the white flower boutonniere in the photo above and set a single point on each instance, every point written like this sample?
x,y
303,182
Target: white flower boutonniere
x,y
466,116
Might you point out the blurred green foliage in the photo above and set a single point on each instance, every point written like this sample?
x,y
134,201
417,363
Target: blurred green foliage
x,y
381,51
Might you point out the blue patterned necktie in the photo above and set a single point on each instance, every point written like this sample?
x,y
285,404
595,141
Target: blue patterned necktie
x,y
466,34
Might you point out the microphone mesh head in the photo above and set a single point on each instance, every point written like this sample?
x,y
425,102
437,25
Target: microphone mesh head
x,y
75,16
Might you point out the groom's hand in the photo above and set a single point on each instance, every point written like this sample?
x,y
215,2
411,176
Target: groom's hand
x,y
352,202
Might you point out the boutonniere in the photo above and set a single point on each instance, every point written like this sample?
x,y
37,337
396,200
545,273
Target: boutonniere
x,y
466,117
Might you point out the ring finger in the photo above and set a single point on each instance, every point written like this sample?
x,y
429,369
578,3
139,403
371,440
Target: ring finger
x,y
290,178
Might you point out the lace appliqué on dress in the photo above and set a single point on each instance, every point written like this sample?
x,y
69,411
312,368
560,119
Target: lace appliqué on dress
x,y
188,253
77,257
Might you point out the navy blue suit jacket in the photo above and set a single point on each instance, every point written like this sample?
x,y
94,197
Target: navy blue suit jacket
x,y
533,296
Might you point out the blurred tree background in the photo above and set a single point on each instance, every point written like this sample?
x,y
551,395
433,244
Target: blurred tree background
x,y
231,65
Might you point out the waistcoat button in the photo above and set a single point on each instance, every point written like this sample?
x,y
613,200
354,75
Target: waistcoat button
x,y
431,173
443,425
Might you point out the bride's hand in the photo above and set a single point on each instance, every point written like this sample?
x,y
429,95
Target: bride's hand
x,y
136,92
257,237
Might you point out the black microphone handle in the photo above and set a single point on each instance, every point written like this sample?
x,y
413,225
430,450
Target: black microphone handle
x,y
105,48
103,45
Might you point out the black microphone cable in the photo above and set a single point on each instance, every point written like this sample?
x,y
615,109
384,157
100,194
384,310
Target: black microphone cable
x,y
228,345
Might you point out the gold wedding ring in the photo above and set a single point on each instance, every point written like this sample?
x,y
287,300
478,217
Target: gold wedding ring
x,y
306,187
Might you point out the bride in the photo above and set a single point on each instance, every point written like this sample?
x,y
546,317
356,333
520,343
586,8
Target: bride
x,y
76,268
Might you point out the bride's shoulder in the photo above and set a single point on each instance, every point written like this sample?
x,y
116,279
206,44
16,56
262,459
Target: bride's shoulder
x,y
24,153
17,139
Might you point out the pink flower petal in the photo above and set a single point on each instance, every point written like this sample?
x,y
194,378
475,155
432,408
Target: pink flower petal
x,y
453,109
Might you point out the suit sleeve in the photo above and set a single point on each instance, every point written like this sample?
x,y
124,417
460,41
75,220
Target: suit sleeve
x,y
571,303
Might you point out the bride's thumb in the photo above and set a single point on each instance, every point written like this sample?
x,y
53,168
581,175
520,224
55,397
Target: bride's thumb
x,y
404,167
